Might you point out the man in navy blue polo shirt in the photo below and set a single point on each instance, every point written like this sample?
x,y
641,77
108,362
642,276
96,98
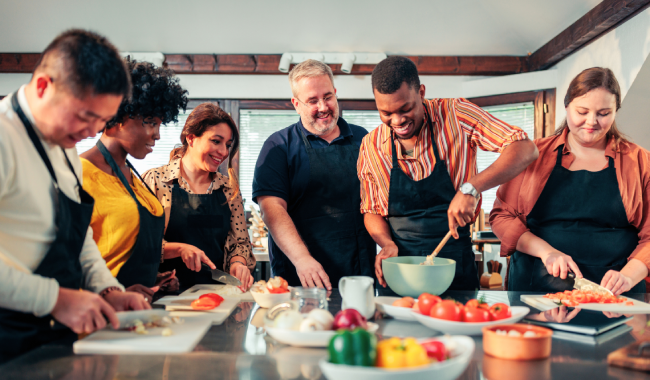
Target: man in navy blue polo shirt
x,y
307,187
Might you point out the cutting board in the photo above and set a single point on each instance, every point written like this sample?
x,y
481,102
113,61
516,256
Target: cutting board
x,y
621,358
181,306
539,302
185,337
200,289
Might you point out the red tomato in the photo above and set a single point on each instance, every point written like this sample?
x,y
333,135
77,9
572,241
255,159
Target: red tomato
x,y
448,310
278,290
477,303
435,350
205,303
425,301
500,311
476,314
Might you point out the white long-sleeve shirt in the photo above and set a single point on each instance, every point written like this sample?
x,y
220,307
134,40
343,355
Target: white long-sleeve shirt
x,y
27,217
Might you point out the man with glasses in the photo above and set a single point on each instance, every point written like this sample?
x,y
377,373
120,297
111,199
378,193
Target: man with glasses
x,y
307,188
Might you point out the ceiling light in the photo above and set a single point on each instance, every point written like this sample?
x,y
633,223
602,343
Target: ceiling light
x,y
346,60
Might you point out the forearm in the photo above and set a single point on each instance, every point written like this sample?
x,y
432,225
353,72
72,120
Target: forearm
x,y
283,230
378,228
532,245
512,161
172,250
636,270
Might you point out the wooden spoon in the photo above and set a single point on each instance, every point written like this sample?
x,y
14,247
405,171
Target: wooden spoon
x,y
429,260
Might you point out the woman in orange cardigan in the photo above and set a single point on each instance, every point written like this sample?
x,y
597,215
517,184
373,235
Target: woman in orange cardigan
x,y
583,205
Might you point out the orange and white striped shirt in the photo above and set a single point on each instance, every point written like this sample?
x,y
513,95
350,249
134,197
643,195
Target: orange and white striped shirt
x,y
460,127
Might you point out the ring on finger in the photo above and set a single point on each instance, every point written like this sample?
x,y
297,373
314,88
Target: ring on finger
x,y
146,299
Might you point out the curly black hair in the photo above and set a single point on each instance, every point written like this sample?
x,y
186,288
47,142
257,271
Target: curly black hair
x,y
155,93
389,74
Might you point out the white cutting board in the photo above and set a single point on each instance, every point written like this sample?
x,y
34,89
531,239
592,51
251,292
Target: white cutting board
x,y
181,306
185,337
200,289
539,302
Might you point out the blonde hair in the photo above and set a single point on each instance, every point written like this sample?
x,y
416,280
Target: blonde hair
x,y
308,69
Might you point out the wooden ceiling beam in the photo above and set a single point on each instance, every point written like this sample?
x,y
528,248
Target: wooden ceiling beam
x,y
603,17
18,62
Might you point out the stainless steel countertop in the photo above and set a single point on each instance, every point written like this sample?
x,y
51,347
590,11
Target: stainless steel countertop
x,y
239,350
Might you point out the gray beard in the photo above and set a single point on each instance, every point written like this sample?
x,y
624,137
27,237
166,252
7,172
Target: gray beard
x,y
321,131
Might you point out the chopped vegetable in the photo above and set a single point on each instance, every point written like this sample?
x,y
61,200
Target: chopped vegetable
x,y
275,285
166,332
357,347
398,353
575,297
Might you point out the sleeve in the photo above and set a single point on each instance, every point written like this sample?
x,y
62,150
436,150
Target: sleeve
x,y
97,277
272,171
486,131
508,223
642,251
371,200
27,292
238,242
149,178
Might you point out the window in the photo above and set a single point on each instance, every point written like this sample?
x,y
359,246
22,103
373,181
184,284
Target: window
x,y
520,114
169,137
367,119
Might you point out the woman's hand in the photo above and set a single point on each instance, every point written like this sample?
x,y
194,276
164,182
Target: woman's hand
x,y
616,282
239,270
558,264
193,257
147,293
168,281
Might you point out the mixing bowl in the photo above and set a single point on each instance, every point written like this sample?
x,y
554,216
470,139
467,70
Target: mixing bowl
x,y
407,277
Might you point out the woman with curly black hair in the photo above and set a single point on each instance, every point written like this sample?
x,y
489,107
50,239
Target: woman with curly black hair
x,y
128,220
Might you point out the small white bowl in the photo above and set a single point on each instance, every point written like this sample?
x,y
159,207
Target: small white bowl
x,y
269,300
385,305
469,328
448,370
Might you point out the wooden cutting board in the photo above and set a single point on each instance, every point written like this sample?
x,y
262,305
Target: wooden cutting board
x,y
107,341
622,358
539,302
198,290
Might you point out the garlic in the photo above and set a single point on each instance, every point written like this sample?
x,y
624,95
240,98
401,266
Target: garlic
x,y
167,332
324,317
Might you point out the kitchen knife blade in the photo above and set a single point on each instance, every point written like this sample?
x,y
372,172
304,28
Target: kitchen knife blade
x,y
127,318
221,276
584,284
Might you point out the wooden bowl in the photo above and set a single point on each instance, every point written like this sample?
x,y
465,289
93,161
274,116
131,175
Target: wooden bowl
x,y
517,347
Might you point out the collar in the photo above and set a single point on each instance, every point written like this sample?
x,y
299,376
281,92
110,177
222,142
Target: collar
x,y
562,140
344,128
172,171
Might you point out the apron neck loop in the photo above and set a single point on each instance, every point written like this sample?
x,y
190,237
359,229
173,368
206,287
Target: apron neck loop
x,y
304,137
433,144
560,150
111,162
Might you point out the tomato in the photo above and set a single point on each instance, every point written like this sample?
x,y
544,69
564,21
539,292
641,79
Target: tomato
x,y
404,302
217,298
477,303
446,309
278,290
435,350
476,314
500,311
425,301
205,303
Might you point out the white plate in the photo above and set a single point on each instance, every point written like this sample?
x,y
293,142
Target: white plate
x,y
448,370
469,328
385,305
307,339
266,300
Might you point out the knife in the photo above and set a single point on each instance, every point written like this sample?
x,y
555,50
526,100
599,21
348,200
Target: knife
x,y
127,318
221,276
584,284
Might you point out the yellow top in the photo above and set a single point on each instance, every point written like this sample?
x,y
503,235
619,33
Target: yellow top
x,y
115,221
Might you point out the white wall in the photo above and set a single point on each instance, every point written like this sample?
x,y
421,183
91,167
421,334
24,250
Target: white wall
x,y
633,119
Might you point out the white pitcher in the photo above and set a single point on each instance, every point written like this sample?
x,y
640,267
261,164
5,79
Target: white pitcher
x,y
358,293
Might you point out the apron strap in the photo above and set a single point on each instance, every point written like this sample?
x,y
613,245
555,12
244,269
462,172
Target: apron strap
x,y
111,162
558,161
433,143
304,137
37,142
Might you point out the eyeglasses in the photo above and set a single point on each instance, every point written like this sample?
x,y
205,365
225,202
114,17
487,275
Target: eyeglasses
x,y
314,103
150,122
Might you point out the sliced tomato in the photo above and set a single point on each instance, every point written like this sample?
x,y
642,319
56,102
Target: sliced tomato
x,y
217,298
205,303
278,290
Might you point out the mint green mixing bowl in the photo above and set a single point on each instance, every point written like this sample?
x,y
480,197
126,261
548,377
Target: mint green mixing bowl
x,y
407,277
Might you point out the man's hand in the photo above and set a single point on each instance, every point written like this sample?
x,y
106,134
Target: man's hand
x,y
311,273
147,293
243,274
558,264
193,257
123,301
83,311
389,250
461,212
616,282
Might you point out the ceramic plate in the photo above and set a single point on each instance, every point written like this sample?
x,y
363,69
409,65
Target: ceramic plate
x,y
385,305
307,339
461,347
468,328
269,300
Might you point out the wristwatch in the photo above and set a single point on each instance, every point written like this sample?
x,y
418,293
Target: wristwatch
x,y
469,189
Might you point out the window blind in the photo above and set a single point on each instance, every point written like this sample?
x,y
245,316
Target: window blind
x,y
169,137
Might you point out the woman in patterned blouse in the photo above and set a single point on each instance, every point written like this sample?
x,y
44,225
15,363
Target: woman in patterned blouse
x,y
205,227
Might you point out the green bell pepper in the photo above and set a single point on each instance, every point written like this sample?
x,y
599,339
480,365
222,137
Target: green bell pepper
x,y
357,347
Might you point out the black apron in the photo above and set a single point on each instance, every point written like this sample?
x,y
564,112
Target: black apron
x,y
201,220
142,266
21,332
581,214
417,215
328,219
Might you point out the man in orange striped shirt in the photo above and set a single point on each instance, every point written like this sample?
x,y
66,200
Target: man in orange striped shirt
x,y
413,191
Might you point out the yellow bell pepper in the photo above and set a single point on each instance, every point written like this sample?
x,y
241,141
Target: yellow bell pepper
x,y
398,353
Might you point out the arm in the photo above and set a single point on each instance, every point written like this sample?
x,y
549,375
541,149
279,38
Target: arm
x,y
285,235
378,228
